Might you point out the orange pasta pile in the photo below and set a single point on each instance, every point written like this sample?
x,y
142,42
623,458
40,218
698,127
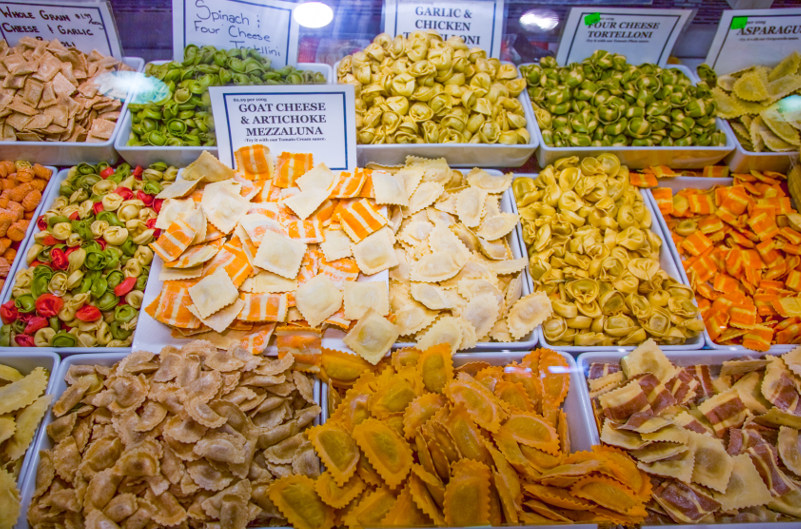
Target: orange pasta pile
x,y
741,248
415,442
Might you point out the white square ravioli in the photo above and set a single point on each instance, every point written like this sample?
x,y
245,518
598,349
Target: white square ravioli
x,y
376,252
279,254
372,337
361,296
213,292
317,299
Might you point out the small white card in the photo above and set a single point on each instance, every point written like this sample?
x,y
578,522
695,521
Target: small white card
x,y
265,25
478,22
754,36
642,35
319,119
87,25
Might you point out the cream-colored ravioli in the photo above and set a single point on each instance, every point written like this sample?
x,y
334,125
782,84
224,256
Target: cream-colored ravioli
x,y
490,183
279,254
213,292
337,245
529,312
481,311
446,329
361,296
317,299
389,189
436,267
497,226
372,337
376,252
470,206
223,205
435,297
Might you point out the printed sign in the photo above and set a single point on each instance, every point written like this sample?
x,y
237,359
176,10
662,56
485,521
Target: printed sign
x,y
479,23
754,36
314,118
642,35
84,25
265,25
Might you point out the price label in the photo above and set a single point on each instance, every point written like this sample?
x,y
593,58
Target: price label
x,y
642,35
313,118
754,36
479,23
264,25
84,25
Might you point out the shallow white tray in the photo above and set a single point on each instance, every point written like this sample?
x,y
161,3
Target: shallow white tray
x,y
145,155
457,154
682,358
666,262
42,441
697,182
47,200
742,161
518,250
70,153
580,424
25,361
20,257
639,157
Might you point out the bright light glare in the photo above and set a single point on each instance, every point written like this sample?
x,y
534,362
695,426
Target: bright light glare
x,y
313,15
144,88
539,20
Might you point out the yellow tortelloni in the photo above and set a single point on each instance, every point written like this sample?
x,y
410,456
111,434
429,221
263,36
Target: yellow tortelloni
x,y
134,298
74,279
22,282
144,255
132,268
58,284
103,333
98,228
72,302
131,324
129,210
102,187
59,203
115,235
76,260
111,202
33,252
145,214
590,248
85,208
61,230
43,337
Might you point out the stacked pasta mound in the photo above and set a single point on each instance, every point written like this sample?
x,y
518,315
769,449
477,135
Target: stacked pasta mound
x,y
22,406
722,442
741,248
415,442
190,436
592,251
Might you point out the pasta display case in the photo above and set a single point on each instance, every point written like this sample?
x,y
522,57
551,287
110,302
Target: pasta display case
x,y
521,265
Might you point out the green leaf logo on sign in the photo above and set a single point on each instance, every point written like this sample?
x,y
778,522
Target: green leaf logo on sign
x,y
738,22
592,18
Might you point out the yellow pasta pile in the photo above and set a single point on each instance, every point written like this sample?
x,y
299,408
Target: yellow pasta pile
x,y
721,442
22,406
415,442
192,435
592,251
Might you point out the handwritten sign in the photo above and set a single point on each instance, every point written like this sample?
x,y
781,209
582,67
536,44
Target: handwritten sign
x,y
754,36
84,25
479,23
642,35
264,25
314,118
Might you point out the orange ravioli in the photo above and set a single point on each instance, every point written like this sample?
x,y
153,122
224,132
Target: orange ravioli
x,y
532,430
348,185
554,377
254,162
422,498
420,410
371,508
336,449
234,260
478,400
361,218
467,494
386,451
466,435
171,305
435,367
335,495
404,513
289,167
175,239
296,499
264,307
609,494
342,369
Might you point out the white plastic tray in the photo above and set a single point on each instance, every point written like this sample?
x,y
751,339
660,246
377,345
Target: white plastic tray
x,y
640,157
666,262
742,161
682,358
25,361
70,153
457,154
580,423
42,441
145,155
53,189
20,257
677,184
514,239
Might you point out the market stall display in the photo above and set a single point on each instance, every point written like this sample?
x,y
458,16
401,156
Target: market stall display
x,y
718,435
593,252
23,185
476,444
205,431
740,246
23,383
88,263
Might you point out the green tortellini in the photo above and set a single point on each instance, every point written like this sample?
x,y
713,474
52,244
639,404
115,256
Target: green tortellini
x,y
605,101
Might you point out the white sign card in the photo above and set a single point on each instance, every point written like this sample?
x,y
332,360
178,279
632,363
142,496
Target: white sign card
x,y
642,35
754,36
479,23
319,119
265,25
84,25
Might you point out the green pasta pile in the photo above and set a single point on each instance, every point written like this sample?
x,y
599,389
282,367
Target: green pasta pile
x,y
605,101
89,263
184,118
